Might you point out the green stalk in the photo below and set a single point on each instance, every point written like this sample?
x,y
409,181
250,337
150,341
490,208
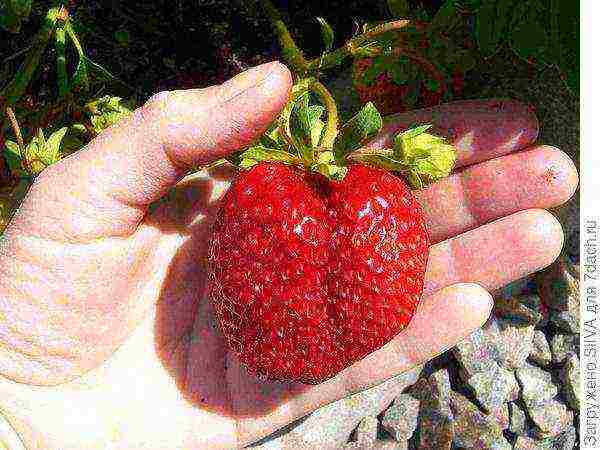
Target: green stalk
x,y
61,61
17,130
291,53
303,67
15,89
332,125
336,57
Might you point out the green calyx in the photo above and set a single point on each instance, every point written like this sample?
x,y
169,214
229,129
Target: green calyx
x,y
307,134
422,157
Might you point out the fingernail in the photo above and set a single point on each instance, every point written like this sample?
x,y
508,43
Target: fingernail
x,y
250,77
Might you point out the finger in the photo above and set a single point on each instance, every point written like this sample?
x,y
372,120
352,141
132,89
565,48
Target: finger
x,y
104,189
541,177
455,311
480,129
497,253
464,308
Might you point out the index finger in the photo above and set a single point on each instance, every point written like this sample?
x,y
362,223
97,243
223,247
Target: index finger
x,y
480,129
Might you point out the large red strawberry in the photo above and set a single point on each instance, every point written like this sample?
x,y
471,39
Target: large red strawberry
x,y
310,273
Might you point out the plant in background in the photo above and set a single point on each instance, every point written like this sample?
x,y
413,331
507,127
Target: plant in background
x,y
541,32
13,13
420,65
60,127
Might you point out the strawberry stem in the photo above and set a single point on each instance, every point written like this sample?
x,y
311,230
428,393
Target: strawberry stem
x,y
335,58
291,52
332,126
303,67
14,123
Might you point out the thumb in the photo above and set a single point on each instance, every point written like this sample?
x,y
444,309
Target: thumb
x,y
104,189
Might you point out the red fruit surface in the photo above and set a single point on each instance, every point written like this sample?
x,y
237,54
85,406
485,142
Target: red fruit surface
x,y
308,275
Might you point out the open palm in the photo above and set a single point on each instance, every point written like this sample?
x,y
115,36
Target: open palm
x,y
107,340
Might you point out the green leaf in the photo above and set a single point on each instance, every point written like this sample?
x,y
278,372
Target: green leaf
x,y
106,111
331,171
258,153
80,77
271,137
565,40
529,38
21,8
446,17
399,9
299,90
52,149
363,126
317,132
492,25
383,159
123,37
411,133
12,154
326,165
102,73
15,89
326,34
306,121
74,140
425,155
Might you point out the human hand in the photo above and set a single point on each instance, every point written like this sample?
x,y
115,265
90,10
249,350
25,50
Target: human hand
x,y
106,337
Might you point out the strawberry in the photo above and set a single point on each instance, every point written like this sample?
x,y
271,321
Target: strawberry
x,y
317,256
409,70
314,274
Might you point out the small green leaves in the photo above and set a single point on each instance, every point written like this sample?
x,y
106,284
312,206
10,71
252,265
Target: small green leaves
x,y
306,121
326,34
358,130
17,86
61,61
422,157
299,136
258,153
426,156
544,32
106,111
12,153
122,37
80,77
37,155
325,165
